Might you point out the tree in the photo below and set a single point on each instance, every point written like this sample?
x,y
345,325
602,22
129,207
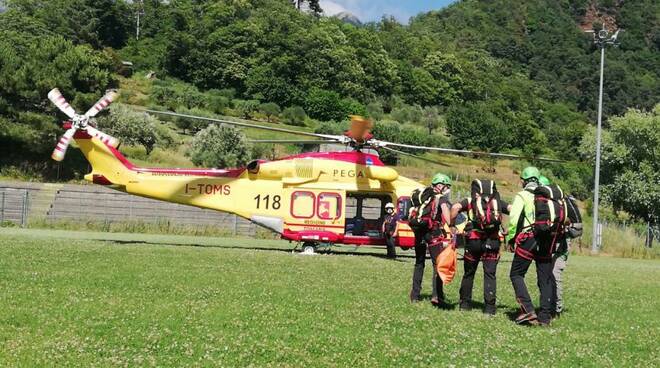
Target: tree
x,y
630,163
131,127
476,125
447,71
294,115
375,110
325,105
408,114
33,60
99,23
431,118
220,146
246,107
270,109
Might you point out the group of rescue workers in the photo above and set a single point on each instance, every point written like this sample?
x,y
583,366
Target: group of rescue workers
x,y
541,222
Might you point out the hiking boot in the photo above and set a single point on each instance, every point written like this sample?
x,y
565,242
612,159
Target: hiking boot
x,y
523,318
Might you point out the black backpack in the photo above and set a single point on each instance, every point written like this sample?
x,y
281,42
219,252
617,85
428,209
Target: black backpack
x,y
574,229
485,206
550,210
422,210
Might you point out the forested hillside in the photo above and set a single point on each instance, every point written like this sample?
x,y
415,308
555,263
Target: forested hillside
x,y
497,75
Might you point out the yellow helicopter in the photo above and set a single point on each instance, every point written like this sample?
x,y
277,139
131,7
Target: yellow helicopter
x,y
312,198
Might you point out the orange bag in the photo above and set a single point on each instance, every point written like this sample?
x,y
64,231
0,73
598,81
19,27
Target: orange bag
x,y
445,264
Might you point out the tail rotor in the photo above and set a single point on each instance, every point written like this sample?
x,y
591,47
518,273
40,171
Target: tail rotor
x,y
82,122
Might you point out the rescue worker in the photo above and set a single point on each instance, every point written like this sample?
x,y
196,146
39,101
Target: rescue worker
x,y
559,260
483,246
431,238
389,229
529,248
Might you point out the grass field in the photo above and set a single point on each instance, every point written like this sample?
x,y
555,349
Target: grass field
x,y
97,299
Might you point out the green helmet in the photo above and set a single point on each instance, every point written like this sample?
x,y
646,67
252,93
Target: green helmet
x,y
530,172
440,178
543,180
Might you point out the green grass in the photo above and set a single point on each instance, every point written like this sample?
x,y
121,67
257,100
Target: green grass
x,y
83,299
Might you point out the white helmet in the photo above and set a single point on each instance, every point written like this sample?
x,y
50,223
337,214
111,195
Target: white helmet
x,y
389,205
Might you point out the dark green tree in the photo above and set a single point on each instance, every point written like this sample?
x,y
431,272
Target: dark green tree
x,y
630,163
294,115
220,146
269,109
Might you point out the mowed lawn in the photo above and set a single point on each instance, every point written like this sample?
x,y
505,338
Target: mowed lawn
x,y
94,299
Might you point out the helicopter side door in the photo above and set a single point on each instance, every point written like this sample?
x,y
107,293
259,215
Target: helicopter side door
x,y
365,213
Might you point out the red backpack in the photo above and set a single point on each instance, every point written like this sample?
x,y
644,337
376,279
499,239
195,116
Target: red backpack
x,y
423,209
484,207
551,215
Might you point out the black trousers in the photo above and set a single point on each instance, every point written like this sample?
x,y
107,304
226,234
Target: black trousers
x,y
486,251
538,250
418,272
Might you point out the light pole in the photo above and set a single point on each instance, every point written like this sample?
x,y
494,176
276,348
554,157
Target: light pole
x,y
601,39
140,11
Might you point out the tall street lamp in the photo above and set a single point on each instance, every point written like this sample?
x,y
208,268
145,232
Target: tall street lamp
x,y
602,38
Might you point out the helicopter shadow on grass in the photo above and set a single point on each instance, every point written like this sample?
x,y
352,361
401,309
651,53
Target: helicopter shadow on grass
x,y
273,249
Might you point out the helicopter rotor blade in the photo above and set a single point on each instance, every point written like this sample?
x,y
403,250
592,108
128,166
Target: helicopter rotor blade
x,y
105,138
464,152
63,144
55,96
413,156
101,104
247,125
293,141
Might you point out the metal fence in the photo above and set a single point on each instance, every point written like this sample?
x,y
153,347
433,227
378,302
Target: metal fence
x,y
14,205
24,202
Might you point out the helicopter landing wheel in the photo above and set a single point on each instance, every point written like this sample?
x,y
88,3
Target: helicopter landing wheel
x,y
309,248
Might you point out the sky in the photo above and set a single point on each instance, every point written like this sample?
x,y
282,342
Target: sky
x,y
373,10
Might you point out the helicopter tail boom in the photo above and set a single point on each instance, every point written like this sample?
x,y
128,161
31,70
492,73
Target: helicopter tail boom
x,y
109,166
